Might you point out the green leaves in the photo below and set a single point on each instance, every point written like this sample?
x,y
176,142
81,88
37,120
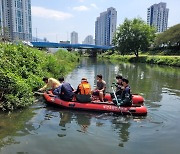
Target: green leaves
x,y
133,36
170,37
22,69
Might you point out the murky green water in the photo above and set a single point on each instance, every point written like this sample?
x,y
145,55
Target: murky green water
x,y
43,130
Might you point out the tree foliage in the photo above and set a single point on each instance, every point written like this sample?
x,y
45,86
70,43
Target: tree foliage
x,y
170,37
133,36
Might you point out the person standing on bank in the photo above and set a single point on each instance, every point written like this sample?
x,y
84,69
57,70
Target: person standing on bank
x,y
65,90
100,88
51,83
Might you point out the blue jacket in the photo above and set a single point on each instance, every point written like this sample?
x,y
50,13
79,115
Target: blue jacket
x,y
126,97
65,91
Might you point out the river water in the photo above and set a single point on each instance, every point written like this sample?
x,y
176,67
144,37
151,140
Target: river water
x,y
42,129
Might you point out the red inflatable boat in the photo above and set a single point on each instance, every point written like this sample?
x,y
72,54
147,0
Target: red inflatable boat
x,y
108,106
136,99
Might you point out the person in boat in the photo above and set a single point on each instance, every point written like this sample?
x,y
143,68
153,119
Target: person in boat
x,y
50,83
84,88
83,92
119,85
126,97
100,88
65,90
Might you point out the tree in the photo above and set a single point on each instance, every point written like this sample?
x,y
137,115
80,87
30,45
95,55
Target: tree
x,y
170,37
133,36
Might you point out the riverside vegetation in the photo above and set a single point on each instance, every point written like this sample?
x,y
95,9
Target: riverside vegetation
x,y
150,59
22,69
138,38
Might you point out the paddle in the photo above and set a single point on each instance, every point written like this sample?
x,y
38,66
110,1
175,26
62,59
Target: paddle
x,y
118,104
115,96
38,93
42,93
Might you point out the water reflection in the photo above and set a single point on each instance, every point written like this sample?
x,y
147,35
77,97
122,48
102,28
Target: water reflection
x,y
85,121
81,118
12,125
34,129
122,125
65,117
147,80
150,80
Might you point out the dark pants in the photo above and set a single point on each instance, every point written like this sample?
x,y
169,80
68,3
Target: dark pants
x,y
66,98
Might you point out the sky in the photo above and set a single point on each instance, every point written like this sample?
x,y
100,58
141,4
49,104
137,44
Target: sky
x,y
56,19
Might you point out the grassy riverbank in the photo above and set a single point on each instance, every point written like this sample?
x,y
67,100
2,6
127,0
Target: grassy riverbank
x,y
150,59
22,69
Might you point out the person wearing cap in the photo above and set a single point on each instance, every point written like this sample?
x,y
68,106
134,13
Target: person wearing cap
x,y
126,97
100,88
51,83
65,90
83,92
84,88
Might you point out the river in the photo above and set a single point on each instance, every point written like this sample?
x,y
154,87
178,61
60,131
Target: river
x,y
42,129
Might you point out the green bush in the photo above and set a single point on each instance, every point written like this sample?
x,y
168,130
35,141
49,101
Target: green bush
x,y
22,69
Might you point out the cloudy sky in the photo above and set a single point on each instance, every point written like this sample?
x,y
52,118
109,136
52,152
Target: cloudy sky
x,y
56,19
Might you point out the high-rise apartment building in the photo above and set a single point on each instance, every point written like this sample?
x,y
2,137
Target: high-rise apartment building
x,y
74,37
15,19
157,16
105,27
88,40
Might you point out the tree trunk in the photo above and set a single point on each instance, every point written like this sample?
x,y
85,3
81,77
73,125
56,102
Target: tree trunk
x,y
136,54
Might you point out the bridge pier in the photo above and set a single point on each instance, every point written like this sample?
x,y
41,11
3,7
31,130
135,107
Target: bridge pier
x,y
94,52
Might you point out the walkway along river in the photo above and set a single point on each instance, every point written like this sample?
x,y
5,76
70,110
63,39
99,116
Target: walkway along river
x,y
43,129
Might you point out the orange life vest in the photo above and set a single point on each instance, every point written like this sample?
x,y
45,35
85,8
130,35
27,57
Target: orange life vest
x,y
85,88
